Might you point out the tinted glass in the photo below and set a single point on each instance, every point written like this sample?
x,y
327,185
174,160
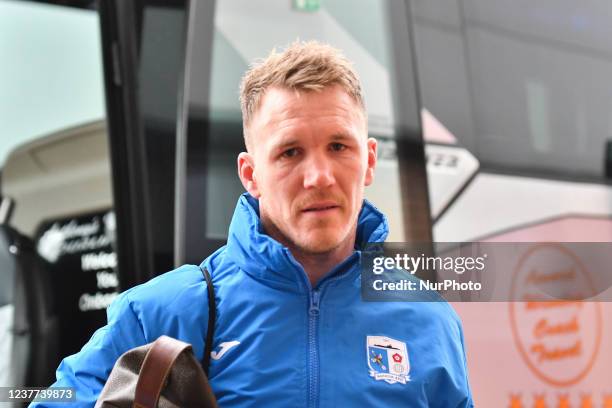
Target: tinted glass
x,y
246,31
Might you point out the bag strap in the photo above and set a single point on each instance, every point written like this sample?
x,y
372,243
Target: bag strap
x,y
212,317
155,369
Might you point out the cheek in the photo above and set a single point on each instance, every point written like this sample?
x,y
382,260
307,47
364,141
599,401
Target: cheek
x,y
353,176
280,195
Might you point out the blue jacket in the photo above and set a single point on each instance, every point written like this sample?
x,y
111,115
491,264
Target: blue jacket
x,y
278,341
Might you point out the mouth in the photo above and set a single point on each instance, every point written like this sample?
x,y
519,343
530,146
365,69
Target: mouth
x,y
320,208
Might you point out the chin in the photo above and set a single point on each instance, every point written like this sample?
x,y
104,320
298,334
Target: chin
x,y
319,244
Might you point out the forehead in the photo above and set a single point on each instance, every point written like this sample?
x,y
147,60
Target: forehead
x,y
281,108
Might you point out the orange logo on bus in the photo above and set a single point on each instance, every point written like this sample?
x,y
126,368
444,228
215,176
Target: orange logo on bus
x,y
556,332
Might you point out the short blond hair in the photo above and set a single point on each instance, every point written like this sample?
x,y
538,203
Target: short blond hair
x,y
302,66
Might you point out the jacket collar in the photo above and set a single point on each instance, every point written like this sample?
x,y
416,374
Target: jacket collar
x,y
268,260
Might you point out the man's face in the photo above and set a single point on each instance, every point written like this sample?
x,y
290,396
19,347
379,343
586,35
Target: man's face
x,y
309,160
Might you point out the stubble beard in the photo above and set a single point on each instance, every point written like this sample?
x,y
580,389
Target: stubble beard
x,y
316,259
297,245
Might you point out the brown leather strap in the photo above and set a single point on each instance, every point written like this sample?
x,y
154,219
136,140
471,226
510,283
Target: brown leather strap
x,y
155,369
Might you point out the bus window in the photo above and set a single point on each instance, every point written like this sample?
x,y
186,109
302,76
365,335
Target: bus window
x,y
524,90
246,31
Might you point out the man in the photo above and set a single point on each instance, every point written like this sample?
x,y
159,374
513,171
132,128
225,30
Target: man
x,y
291,327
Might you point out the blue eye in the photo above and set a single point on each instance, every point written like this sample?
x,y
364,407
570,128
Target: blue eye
x,y
337,147
290,153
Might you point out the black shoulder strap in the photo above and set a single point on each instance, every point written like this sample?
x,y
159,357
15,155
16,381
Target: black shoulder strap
x,y
212,317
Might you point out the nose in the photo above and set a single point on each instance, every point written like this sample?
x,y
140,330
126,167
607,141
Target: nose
x,y
318,172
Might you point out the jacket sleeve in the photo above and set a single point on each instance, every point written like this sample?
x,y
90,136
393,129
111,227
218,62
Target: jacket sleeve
x,y
470,399
88,370
448,384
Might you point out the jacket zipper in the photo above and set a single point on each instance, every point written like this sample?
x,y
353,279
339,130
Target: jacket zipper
x,y
313,349
313,344
313,323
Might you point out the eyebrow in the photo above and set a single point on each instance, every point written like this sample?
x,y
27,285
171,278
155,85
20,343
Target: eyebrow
x,y
341,137
292,141
285,144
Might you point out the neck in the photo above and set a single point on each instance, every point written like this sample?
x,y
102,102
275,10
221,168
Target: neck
x,y
317,265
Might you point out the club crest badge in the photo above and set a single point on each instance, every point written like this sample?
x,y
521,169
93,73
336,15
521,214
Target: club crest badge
x,y
388,359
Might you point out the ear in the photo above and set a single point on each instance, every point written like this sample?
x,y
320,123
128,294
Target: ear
x,y
246,172
372,147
